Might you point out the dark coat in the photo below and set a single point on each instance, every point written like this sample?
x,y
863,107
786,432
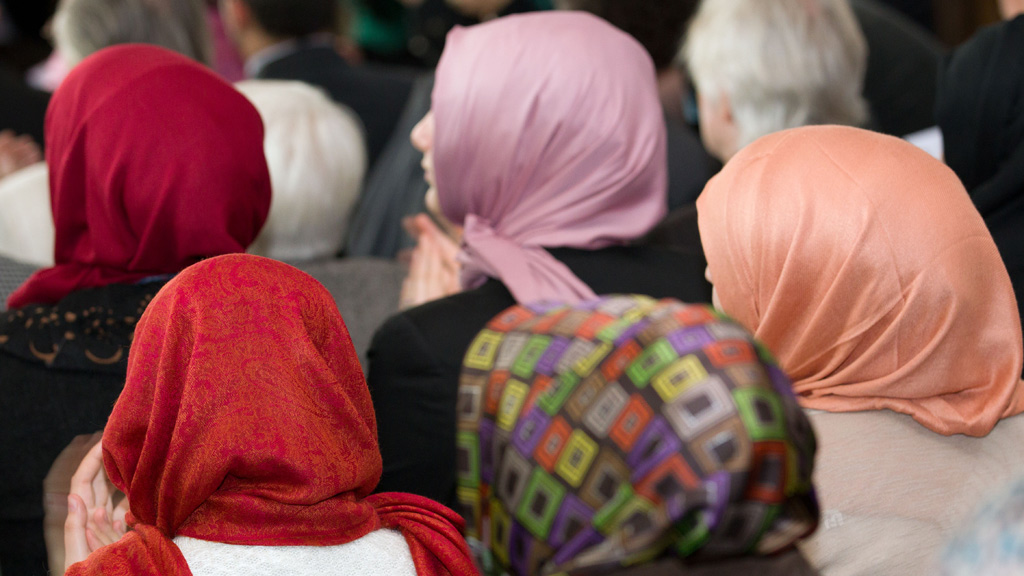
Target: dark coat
x,y
377,95
62,368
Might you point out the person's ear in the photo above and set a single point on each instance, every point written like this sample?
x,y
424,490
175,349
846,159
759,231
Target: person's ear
x,y
236,14
724,110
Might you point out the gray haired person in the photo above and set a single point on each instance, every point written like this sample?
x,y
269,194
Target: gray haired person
x,y
81,27
760,67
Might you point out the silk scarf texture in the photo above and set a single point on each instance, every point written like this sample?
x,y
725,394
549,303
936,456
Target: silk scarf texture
x,y
861,262
155,163
245,419
619,430
549,133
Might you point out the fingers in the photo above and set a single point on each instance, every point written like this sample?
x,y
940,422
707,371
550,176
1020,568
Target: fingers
x,y
411,286
76,544
17,152
101,531
120,511
433,266
425,224
411,227
83,481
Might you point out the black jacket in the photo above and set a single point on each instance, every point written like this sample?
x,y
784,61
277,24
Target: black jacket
x,y
22,109
377,95
416,357
62,368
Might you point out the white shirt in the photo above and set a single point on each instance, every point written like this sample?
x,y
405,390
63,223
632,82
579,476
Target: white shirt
x,y
380,553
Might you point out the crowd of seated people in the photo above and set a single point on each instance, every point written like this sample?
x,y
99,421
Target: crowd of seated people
x,y
581,287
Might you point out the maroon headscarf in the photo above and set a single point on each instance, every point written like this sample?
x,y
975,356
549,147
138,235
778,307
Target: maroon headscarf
x,y
245,419
155,164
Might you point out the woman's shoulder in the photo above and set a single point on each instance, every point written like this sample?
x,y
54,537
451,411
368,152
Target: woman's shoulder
x,y
89,330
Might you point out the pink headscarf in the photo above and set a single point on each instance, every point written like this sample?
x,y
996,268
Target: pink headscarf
x,y
549,133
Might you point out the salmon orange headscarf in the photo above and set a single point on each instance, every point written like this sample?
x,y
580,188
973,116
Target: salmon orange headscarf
x,y
245,419
861,262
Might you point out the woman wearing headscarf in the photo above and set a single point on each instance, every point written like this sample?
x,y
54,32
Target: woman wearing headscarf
x,y
625,431
546,145
156,164
245,441
980,109
861,263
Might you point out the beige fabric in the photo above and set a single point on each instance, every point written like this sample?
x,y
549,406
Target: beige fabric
x,y
26,223
380,553
893,492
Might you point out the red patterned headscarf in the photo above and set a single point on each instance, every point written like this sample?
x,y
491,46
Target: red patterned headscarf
x,y
155,163
246,419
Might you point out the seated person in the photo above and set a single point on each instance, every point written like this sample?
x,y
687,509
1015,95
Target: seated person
x,y
81,27
902,69
245,443
155,164
395,188
623,431
317,156
981,96
293,40
546,144
760,67
659,26
860,262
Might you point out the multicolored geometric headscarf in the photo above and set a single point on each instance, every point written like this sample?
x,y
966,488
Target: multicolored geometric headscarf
x,y
621,429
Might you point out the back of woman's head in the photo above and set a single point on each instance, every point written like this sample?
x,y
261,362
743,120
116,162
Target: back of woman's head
x,y
317,157
247,357
530,107
549,133
245,419
81,27
155,163
623,429
782,64
861,262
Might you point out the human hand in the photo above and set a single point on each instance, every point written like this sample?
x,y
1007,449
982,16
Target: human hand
x,y
434,268
93,519
17,152
56,487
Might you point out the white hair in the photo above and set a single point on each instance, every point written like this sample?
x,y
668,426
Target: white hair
x,y
316,153
81,27
781,63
